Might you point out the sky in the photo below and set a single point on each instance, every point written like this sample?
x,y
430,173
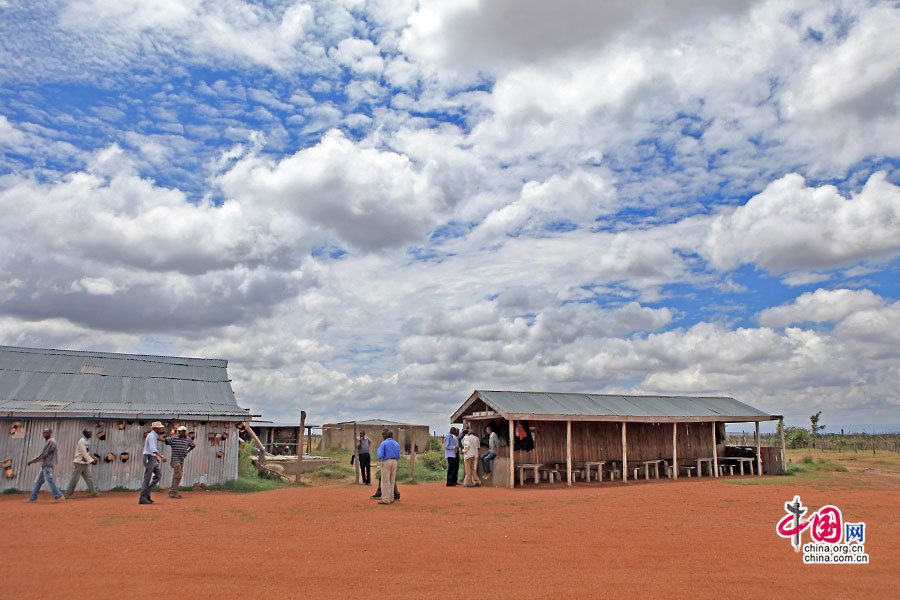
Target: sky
x,y
373,208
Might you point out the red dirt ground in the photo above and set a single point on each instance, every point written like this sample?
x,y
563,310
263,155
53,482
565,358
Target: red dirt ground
x,y
659,539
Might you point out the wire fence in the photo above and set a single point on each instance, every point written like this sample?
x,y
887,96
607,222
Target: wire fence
x,y
852,442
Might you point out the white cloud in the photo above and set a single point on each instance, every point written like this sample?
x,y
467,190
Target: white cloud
x,y
821,306
792,226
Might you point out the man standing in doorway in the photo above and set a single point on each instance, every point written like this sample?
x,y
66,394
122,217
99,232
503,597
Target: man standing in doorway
x,y
491,454
180,445
48,461
451,453
83,462
151,458
389,453
365,459
471,444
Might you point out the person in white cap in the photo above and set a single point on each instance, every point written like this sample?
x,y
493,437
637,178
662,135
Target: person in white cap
x,y
180,445
151,458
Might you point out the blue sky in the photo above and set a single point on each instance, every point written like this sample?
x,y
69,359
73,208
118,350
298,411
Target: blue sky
x,y
371,208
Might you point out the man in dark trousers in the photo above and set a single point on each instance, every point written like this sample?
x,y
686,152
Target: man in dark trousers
x,y
451,453
181,445
82,466
365,459
48,461
151,458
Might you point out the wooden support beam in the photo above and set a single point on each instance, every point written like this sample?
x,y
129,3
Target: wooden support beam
x,y
512,460
758,453
674,450
715,451
624,454
309,439
300,445
783,457
569,452
412,451
356,450
262,448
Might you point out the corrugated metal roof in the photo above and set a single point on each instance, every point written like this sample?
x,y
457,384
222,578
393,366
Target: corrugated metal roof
x,y
35,380
550,403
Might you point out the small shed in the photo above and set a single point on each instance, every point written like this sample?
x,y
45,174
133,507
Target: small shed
x,y
340,435
117,396
281,438
566,431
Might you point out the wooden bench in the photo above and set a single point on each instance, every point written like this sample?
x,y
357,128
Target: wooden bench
x,y
534,467
726,467
550,472
687,469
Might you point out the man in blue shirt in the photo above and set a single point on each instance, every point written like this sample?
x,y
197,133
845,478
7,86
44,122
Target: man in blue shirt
x,y
451,453
389,454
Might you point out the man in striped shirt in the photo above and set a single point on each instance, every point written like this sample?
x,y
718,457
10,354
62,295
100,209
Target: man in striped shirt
x,y
181,445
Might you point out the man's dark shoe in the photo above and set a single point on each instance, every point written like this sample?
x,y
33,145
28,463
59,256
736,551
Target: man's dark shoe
x,y
145,501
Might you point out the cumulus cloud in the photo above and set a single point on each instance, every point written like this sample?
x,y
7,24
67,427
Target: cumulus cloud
x,y
792,226
821,306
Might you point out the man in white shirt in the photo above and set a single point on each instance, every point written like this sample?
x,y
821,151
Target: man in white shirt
x,y
83,461
471,444
151,457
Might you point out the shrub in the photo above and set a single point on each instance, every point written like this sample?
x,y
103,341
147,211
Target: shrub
x,y
433,460
796,437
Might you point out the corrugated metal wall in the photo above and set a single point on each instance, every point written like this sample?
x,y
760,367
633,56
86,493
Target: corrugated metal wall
x,y
201,466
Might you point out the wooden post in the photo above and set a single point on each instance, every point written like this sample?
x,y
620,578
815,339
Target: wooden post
x,y
412,451
512,446
262,448
309,439
758,457
300,445
674,450
715,451
356,450
569,452
783,457
624,455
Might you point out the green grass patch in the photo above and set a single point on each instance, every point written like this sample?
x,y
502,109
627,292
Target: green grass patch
x,y
250,483
120,488
13,491
333,471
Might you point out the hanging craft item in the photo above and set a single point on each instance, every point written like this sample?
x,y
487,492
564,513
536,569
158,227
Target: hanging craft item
x,y
224,436
193,435
240,426
101,435
121,425
99,424
14,428
109,457
225,425
211,436
220,454
214,424
9,472
6,463
196,424
96,456
124,456
218,437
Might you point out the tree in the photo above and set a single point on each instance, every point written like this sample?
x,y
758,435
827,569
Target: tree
x,y
814,427
796,437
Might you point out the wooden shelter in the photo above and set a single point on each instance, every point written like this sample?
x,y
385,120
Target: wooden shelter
x,y
616,435
117,396
343,435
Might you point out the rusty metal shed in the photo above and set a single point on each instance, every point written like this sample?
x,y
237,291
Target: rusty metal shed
x,y
118,395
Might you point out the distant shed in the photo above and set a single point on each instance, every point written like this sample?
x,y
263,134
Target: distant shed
x,y
117,396
340,435
622,431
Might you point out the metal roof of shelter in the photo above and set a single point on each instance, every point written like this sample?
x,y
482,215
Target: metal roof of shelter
x,y
377,423
71,384
553,406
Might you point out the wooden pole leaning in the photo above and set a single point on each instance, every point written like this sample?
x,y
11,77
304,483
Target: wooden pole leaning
x,y
262,448
783,457
715,451
356,450
674,450
758,454
300,445
624,454
512,446
569,452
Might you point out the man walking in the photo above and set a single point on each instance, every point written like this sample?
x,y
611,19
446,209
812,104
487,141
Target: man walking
x,y
491,454
389,453
83,462
151,459
451,453
48,461
181,446
365,459
471,444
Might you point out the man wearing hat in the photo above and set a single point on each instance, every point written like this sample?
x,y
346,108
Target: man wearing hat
x,y
151,458
180,445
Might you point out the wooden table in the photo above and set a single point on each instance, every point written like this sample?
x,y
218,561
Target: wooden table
x,y
741,460
590,464
534,466
708,461
646,464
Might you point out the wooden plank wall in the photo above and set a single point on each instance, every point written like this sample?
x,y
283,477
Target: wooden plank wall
x,y
603,441
201,466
